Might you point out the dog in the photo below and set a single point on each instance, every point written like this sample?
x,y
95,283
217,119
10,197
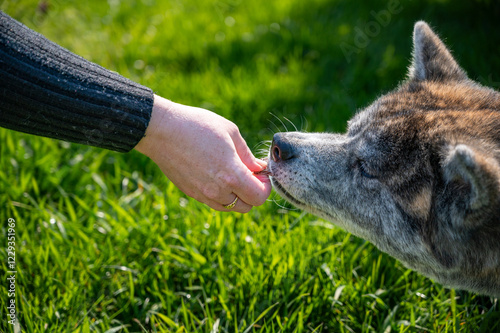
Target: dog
x,y
417,172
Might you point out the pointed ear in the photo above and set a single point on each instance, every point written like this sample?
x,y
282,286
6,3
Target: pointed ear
x,y
431,59
472,176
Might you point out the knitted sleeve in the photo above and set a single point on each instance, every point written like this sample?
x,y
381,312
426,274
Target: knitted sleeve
x,y
47,90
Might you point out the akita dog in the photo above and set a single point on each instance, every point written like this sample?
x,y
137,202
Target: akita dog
x,y
417,173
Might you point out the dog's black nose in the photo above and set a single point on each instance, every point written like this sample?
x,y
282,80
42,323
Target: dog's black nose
x,y
281,149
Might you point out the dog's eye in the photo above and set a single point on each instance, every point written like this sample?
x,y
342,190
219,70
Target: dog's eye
x,y
363,170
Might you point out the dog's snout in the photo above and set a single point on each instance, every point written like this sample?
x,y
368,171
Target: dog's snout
x,y
281,149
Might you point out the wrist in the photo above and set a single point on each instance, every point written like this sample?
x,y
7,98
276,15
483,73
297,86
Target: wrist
x,y
148,144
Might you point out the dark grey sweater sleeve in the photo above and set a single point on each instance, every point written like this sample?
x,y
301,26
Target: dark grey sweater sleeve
x,y
47,90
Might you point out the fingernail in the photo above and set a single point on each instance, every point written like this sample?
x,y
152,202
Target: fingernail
x,y
262,163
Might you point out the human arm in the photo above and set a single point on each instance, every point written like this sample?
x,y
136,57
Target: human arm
x,y
49,91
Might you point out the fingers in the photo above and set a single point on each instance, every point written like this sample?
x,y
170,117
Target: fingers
x,y
226,186
246,199
252,189
240,206
246,155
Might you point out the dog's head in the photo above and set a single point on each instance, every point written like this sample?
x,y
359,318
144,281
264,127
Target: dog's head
x,y
417,172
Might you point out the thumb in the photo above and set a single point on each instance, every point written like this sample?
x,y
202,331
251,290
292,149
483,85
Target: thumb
x,y
246,155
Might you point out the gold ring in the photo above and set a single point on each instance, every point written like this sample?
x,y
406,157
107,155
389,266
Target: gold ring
x,y
232,204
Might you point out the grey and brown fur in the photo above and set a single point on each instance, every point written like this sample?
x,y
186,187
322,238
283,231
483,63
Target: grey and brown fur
x,y
417,173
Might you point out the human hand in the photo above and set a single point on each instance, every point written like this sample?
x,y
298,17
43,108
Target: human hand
x,y
204,155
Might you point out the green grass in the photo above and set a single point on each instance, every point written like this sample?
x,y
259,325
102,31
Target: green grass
x,y
104,242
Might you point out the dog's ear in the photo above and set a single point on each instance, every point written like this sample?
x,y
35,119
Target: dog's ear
x,y
431,59
472,178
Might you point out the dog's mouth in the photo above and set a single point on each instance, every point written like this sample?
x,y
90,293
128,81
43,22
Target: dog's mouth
x,y
278,186
284,193
265,172
300,204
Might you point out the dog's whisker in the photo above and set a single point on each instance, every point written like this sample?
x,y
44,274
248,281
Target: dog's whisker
x,y
275,126
284,207
266,143
281,121
295,127
302,127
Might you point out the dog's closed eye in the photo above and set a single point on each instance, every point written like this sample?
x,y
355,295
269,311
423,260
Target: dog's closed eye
x,y
364,170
